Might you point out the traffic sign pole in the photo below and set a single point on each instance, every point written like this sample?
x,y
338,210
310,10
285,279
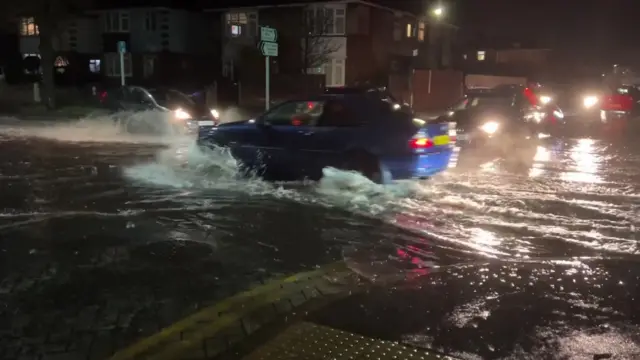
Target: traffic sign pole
x,y
268,47
267,80
122,48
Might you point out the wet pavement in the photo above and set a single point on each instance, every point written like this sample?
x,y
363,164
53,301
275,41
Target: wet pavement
x,y
105,239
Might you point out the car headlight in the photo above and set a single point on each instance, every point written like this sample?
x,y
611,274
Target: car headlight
x,y
559,114
590,101
182,115
215,113
545,99
490,127
536,116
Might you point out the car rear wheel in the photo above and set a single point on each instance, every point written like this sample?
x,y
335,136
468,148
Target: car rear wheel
x,y
364,163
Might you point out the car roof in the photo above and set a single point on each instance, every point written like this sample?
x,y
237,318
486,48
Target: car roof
x,y
344,97
354,90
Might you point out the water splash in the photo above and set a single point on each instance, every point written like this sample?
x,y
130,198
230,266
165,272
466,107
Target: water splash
x,y
142,127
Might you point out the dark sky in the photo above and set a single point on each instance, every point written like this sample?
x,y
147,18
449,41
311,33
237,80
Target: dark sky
x,y
591,28
590,31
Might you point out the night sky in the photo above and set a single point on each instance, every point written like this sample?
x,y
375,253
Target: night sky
x,y
589,30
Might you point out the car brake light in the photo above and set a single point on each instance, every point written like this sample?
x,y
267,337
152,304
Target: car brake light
x,y
420,143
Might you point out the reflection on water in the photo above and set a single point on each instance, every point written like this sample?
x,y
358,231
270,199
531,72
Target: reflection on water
x,y
541,157
586,163
582,166
485,241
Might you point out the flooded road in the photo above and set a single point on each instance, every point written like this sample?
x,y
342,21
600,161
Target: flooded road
x,y
105,239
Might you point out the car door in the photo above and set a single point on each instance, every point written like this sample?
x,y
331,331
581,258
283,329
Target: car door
x,y
283,130
323,143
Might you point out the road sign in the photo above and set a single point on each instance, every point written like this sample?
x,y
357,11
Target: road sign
x,y
269,48
122,47
268,34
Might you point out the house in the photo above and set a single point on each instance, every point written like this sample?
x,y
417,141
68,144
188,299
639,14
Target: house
x,y
159,42
76,43
348,41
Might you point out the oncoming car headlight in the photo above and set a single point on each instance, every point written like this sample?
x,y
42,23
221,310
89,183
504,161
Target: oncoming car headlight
x,y
590,101
490,127
545,99
215,113
182,115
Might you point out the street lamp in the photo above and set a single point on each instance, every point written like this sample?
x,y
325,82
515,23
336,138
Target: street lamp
x,y
438,12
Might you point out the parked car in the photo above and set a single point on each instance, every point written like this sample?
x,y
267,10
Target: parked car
x,y
178,110
299,138
502,118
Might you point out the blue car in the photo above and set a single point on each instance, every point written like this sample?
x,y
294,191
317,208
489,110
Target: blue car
x,y
297,139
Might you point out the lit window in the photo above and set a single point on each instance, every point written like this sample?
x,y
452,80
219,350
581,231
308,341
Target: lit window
x,y
28,27
481,55
421,28
241,24
409,30
94,66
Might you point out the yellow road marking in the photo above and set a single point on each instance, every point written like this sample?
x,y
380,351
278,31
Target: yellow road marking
x,y
273,289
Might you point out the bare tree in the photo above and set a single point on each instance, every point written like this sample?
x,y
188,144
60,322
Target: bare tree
x,y
50,17
317,46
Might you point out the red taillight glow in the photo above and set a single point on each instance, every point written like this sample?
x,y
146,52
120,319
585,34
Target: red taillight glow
x,y
420,143
103,96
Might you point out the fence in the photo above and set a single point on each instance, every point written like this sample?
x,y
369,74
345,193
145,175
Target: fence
x,y
430,90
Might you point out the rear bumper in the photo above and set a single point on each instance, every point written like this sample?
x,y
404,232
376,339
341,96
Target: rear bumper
x,y
418,165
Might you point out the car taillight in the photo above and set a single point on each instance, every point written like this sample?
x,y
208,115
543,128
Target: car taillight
x,y
103,96
420,143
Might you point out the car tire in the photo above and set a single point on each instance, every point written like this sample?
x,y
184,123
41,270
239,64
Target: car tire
x,y
364,163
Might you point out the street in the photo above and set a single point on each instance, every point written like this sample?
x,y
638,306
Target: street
x,y
106,239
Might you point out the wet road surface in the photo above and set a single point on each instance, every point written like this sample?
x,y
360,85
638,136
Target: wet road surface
x,y
104,242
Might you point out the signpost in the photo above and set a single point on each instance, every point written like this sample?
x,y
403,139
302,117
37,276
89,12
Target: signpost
x,y
268,47
122,48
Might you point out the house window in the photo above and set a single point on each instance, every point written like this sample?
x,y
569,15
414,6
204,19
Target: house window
x,y
151,21
481,55
116,21
28,27
409,30
397,31
241,24
94,66
112,62
334,72
421,30
323,20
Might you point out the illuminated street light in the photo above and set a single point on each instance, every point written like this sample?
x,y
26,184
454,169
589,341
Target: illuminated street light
x,y
438,12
